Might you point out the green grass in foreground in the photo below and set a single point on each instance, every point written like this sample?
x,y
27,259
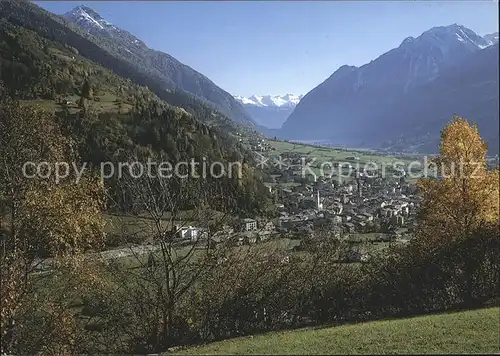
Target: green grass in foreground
x,y
474,331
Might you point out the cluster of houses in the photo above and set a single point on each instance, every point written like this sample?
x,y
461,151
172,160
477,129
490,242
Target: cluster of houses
x,y
258,144
365,205
255,142
368,205
305,206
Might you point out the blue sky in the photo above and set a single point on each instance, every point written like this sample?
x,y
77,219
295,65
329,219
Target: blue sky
x,y
279,47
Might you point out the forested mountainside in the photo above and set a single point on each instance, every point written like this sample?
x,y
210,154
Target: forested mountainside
x,y
111,118
406,95
105,52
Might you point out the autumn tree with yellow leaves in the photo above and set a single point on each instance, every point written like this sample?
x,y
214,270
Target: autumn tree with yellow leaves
x,y
466,194
39,218
458,225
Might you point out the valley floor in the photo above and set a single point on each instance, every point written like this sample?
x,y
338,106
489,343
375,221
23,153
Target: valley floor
x,y
473,331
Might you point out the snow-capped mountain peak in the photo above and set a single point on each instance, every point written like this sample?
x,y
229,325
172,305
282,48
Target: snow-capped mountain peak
x,y
423,58
86,17
445,35
270,110
286,100
92,22
491,38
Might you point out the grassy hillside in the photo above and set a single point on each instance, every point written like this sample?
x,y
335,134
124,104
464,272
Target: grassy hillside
x,y
475,331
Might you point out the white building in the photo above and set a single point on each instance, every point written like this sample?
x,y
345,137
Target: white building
x,y
319,204
191,232
249,224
